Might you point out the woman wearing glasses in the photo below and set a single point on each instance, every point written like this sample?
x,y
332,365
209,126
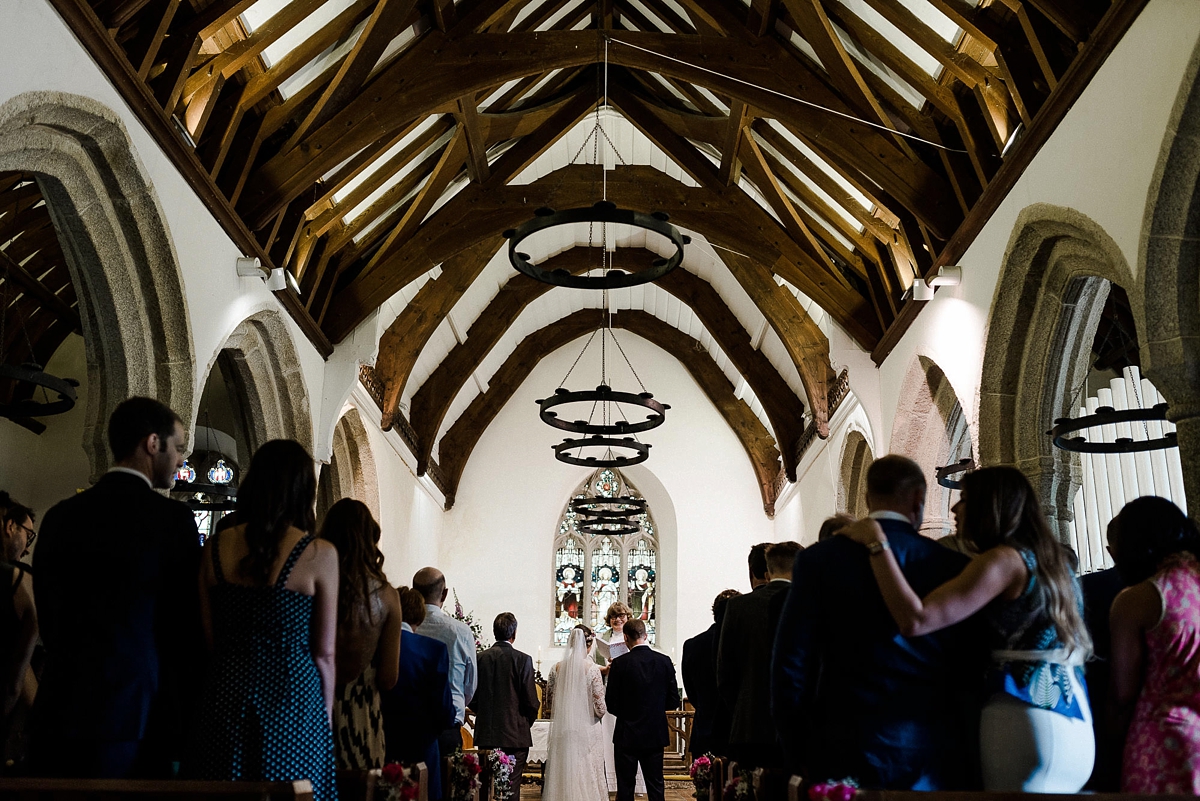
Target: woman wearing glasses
x,y
18,617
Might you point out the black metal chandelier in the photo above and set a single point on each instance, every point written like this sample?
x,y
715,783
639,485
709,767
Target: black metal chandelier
x,y
604,213
640,451
603,394
34,375
1106,416
950,475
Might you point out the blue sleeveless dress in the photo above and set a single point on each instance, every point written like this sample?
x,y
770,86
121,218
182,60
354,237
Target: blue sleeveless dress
x,y
263,714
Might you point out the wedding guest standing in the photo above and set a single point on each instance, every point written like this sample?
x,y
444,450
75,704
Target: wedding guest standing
x,y
18,617
419,708
1155,659
459,641
1036,728
574,701
756,562
115,589
744,663
853,697
641,688
699,667
506,701
368,635
269,593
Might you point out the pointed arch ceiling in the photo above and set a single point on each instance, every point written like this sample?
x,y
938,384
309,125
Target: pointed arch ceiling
x,y
377,148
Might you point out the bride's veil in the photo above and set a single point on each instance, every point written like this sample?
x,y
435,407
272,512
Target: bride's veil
x,y
570,728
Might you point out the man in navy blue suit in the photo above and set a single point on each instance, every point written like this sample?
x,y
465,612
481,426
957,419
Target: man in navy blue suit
x,y
853,698
641,688
420,706
119,610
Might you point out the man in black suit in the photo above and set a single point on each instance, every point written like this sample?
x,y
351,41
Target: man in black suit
x,y
506,701
420,706
641,688
699,666
850,695
744,662
116,593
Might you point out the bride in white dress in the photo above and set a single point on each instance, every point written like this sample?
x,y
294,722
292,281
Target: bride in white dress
x,y
575,704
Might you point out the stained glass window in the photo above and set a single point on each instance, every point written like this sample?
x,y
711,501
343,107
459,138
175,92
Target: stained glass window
x,y
569,586
593,571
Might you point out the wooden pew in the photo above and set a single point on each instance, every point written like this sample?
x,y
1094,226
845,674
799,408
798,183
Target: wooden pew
x,y
357,785
796,791
124,790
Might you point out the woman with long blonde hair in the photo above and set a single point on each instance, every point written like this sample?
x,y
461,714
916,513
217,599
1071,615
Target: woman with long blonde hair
x,y
1036,726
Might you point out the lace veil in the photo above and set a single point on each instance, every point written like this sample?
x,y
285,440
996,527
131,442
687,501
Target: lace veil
x,y
570,728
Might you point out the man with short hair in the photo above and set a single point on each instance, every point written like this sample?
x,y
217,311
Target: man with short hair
x,y
710,725
744,661
418,708
641,688
459,641
506,702
757,564
850,695
118,605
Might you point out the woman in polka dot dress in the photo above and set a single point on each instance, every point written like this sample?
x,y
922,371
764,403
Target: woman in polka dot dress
x,y
1155,626
269,600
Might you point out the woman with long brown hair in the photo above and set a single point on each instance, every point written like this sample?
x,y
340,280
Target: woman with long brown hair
x,y
1036,727
368,635
268,601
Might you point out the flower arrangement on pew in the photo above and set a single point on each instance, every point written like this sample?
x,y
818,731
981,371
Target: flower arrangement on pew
x,y
845,790
501,767
740,786
702,776
399,782
464,775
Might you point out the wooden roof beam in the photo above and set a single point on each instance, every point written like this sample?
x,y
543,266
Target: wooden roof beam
x,y
460,440
473,62
432,401
383,25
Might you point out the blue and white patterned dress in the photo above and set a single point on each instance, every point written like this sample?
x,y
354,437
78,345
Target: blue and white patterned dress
x,y
263,716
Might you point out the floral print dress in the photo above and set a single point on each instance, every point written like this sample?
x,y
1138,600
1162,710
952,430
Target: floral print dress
x,y
1162,749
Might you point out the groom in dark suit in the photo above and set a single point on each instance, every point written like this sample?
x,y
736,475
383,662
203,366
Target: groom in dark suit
x,y
506,700
117,601
853,698
641,688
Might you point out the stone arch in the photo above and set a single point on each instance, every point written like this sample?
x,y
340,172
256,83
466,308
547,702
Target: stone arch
x,y
351,470
263,368
931,428
118,249
1037,354
1170,274
852,483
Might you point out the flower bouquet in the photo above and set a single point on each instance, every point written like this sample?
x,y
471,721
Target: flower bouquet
x,y
501,766
702,778
464,775
466,617
399,782
740,787
845,790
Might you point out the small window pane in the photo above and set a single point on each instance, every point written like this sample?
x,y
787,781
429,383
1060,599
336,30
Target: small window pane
x,y
568,588
642,580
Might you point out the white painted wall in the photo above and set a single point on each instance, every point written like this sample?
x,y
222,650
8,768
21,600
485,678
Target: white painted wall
x,y
40,470
1100,162
497,540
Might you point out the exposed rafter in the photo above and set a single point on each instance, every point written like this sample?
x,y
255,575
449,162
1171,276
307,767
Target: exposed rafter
x,y
458,443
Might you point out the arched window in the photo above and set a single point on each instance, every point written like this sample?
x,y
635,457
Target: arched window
x,y
594,571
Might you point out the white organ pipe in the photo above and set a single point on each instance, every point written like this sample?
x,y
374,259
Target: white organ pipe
x,y
1129,477
1158,458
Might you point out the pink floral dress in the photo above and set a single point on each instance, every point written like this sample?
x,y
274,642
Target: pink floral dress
x,y
1162,749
